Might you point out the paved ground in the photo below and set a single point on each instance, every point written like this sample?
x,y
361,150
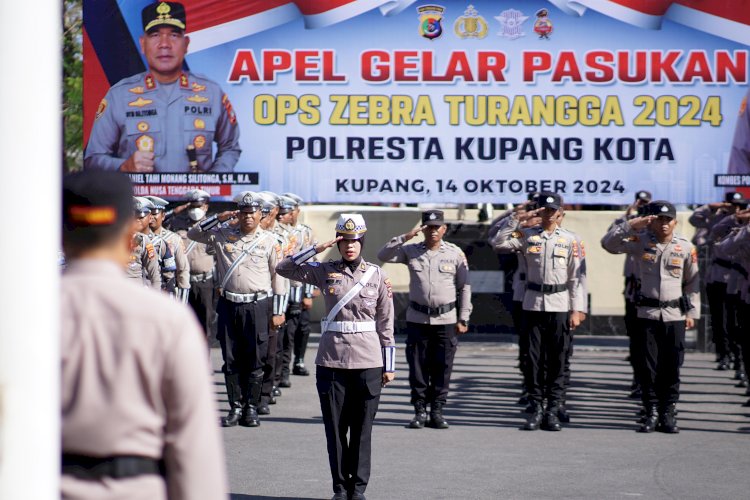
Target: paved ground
x,y
484,455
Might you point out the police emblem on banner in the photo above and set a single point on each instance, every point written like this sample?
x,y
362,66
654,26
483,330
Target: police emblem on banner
x,y
471,24
511,21
542,25
430,21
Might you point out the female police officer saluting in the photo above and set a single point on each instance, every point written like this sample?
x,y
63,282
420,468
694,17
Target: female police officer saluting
x,y
356,351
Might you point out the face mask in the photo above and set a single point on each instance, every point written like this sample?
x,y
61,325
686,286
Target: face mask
x,y
196,213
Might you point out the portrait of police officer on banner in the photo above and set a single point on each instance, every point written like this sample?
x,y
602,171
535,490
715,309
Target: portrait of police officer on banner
x,y
167,118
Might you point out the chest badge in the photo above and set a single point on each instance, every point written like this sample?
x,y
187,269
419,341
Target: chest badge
x,y
142,127
197,98
140,102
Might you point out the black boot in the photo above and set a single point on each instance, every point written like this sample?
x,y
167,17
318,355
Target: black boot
x,y
667,421
420,416
562,413
436,416
233,417
249,417
275,392
648,423
299,368
723,364
551,421
535,417
263,408
234,394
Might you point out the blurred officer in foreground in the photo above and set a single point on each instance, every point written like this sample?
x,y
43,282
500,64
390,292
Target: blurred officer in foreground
x,y
143,266
439,309
175,270
202,297
356,351
246,258
550,302
138,416
165,119
668,303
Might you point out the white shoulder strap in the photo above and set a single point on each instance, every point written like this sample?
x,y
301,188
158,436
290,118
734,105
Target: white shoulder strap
x,y
239,260
350,294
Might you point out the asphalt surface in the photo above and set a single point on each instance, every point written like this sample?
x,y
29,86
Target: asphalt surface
x,y
484,455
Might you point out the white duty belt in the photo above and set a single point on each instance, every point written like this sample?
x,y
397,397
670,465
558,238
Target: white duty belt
x,y
328,325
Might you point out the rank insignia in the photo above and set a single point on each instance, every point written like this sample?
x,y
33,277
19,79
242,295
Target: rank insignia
x,y
335,275
199,124
198,87
150,83
150,250
145,143
140,102
184,81
511,21
142,127
470,25
430,21
542,25
136,90
197,98
199,141
102,107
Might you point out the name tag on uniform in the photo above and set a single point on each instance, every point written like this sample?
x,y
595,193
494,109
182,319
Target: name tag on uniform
x,y
560,252
675,261
447,268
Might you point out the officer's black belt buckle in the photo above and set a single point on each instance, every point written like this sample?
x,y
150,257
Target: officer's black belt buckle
x,y
560,287
119,467
432,311
661,304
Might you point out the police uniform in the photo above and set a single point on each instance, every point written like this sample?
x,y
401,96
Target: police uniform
x,y
552,288
178,122
439,296
175,268
247,280
669,293
739,157
202,297
355,348
143,266
138,410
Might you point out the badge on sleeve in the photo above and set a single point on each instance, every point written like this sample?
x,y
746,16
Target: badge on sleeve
x,y
389,287
102,107
694,256
150,250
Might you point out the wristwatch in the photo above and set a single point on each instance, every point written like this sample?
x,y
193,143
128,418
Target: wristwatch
x,y
463,322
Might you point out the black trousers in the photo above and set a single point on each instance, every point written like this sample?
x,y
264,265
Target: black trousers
x,y
286,341
663,344
635,345
735,334
548,347
567,372
243,335
203,299
517,315
430,350
349,401
269,367
743,317
301,336
717,296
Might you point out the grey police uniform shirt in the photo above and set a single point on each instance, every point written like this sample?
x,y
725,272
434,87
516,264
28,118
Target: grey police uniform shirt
x,y
739,157
737,243
173,240
373,303
257,272
703,219
143,265
437,277
667,270
201,262
551,259
138,111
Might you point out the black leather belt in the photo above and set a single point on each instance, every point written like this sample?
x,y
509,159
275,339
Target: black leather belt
x,y
723,263
649,302
432,311
121,467
546,288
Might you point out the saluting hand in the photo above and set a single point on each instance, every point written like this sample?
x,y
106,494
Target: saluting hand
x,y
181,208
323,246
743,215
411,234
140,161
388,377
229,214
641,222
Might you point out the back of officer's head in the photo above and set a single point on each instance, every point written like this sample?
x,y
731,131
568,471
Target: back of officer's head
x,y
97,212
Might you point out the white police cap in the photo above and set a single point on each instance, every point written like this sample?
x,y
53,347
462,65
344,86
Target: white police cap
x,y
351,226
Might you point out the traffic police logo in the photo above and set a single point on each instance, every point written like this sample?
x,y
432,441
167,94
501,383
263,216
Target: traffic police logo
x,y
142,127
511,21
145,143
197,98
199,142
199,124
349,225
664,209
430,19
102,107
433,216
542,25
550,199
140,102
471,24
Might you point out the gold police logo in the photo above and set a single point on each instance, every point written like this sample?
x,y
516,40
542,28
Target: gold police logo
x,y
199,124
163,9
199,141
471,25
140,102
136,90
430,21
197,98
142,127
349,225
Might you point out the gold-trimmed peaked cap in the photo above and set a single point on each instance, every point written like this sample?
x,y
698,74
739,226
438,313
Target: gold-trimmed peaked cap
x,y
163,14
351,226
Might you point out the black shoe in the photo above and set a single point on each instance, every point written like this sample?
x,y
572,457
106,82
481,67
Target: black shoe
x,y
232,418
747,391
276,392
746,404
299,369
551,422
436,417
667,422
272,400
263,408
285,383
420,416
534,419
562,414
649,421
340,496
742,383
723,365
739,374
249,417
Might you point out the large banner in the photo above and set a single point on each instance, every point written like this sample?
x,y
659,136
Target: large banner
x,y
400,101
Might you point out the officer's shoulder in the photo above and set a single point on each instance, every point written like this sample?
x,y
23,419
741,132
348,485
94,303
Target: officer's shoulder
x,y
129,81
683,240
454,247
569,233
370,264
